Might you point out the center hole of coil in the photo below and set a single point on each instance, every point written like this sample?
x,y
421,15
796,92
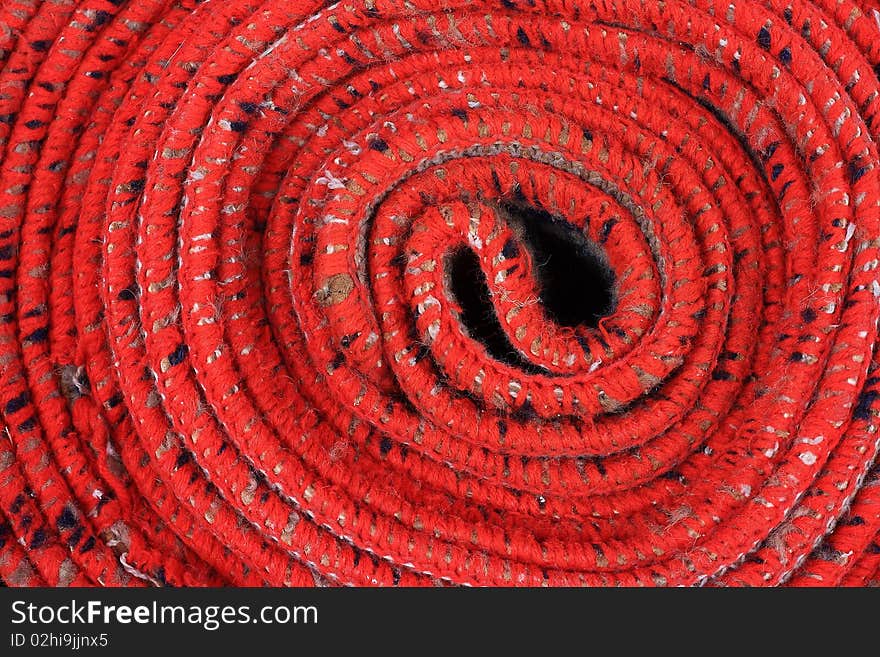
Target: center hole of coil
x,y
577,285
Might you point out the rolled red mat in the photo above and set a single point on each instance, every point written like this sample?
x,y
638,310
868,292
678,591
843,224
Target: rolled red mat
x,y
398,292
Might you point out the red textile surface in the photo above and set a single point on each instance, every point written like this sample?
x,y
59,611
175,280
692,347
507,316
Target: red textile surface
x,y
233,349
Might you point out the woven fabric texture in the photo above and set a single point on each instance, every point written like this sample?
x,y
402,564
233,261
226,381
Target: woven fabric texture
x,y
278,303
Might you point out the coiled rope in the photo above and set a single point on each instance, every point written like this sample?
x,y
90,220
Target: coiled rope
x,y
278,306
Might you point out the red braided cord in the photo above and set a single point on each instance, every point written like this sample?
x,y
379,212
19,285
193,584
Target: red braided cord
x,y
232,350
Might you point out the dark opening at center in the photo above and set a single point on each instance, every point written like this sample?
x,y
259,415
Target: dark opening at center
x,y
577,285
576,281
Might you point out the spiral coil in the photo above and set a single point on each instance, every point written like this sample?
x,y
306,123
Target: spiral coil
x,y
234,341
